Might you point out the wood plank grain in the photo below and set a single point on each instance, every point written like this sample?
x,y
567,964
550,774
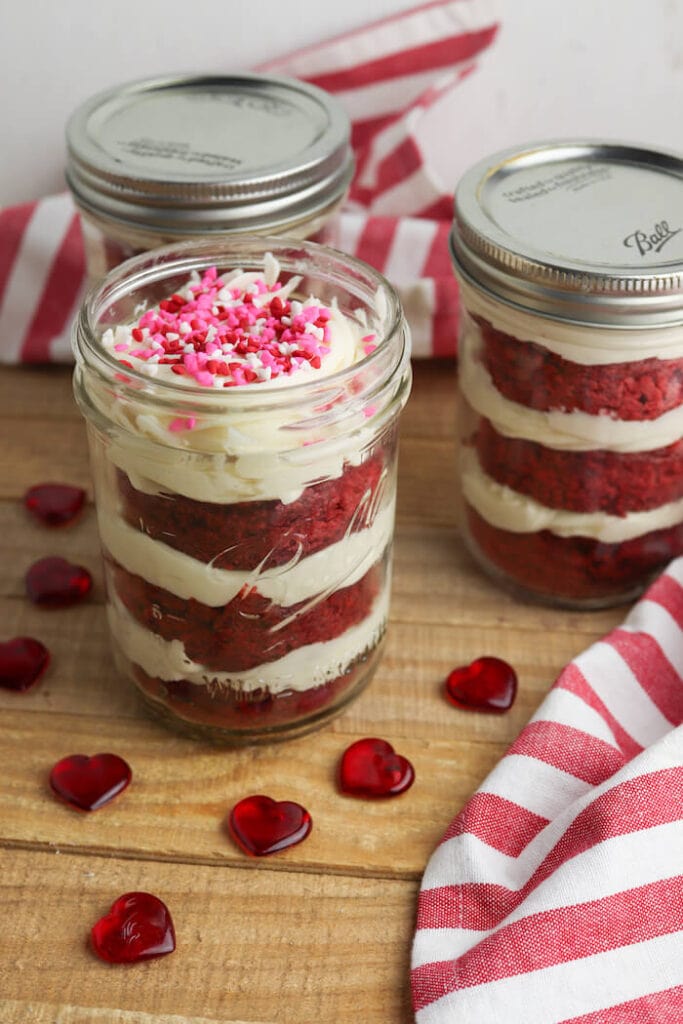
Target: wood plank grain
x,y
37,450
42,391
19,1011
182,791
253,946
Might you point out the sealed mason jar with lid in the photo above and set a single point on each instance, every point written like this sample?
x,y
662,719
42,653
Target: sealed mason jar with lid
x,y
168,159
569,257
242,403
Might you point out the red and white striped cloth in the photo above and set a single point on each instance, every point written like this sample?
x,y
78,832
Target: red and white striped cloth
x,y
387,75
556,895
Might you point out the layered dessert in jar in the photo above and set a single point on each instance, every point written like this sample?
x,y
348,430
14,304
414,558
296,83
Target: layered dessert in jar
x,y
571,469
569,258
242,415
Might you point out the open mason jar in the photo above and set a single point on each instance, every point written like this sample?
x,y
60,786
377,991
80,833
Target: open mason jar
x,y
242,403
569,257
170,159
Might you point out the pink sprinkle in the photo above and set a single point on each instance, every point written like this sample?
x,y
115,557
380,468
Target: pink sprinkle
x,y
369,349
182,423
121,347
263,341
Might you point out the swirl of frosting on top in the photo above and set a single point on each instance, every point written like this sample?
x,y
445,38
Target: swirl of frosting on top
x,y
239,329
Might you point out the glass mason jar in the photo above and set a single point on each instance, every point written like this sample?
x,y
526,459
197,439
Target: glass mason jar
x,y
246,530
169,159
569,257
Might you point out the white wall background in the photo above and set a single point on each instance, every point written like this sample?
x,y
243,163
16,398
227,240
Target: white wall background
x,y
612,68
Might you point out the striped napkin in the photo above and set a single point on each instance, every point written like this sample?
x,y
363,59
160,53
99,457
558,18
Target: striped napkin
x,y
556,894
388,75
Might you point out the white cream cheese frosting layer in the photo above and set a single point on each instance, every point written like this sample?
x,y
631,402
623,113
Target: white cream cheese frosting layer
x,y
301,669
336,566
509,510
247,451
567,431
578,343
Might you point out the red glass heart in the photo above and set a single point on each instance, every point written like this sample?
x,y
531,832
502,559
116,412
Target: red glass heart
x,y
54,504
90,782
261,826
55,583
22,663
372,768
138,927
488,684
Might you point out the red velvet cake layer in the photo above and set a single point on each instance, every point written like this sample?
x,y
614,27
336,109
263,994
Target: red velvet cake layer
x,y
590,481
244,633
574,568
531,375
242,535
226,708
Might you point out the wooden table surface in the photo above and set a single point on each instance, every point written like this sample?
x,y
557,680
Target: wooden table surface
x,y
319,934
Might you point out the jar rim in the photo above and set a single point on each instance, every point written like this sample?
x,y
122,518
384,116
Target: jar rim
x,y
246,252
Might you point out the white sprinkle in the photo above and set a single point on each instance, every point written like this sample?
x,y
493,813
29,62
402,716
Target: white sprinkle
x,y
317,332
150,368
185,328
297,308
271,269
264,372
188,348
171,336
227,347
211,333
286,320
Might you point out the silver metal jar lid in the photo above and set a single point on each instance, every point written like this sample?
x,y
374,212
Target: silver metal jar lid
x,y
196,154
577,230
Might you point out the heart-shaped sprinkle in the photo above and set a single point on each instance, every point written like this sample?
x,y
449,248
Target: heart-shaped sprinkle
x,y
22,663
260,825
488,684
372,768
90,782
138,927
54,504
55,583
